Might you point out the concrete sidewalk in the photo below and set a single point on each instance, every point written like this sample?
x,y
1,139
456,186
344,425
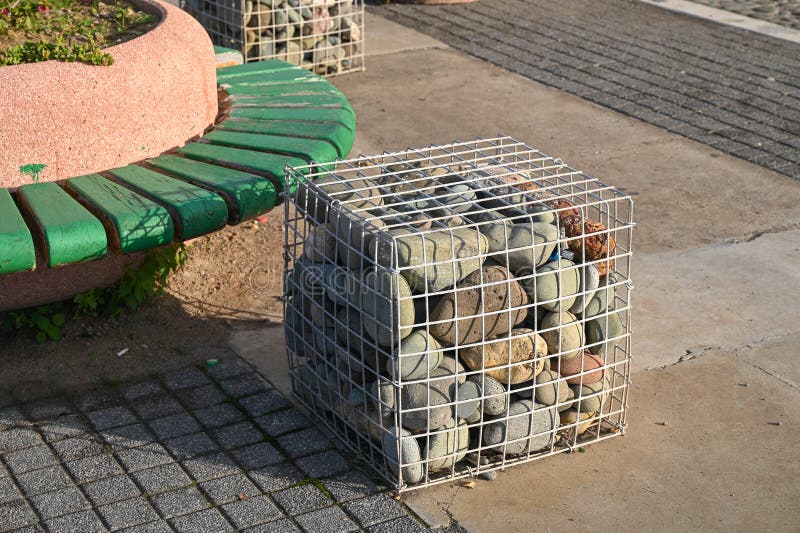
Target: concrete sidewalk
x,y
716,394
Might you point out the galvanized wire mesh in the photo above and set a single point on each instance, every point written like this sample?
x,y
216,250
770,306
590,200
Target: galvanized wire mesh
x,y
459,308
324,36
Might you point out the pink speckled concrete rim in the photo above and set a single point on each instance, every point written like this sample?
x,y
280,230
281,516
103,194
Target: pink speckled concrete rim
x,y
77,119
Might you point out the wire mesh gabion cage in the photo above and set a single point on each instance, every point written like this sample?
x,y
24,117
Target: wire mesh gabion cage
x,y
324,36
460,308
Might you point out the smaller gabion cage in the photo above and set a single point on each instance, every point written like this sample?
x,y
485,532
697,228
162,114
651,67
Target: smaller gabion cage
x,y
459,308
324,36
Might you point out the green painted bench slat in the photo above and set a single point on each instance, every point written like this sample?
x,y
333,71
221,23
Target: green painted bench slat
x,y
306,87
261,89
68,231
259,67
289,75
335,101
195,210
247,195
345,117
308,149
336,134
17,252
133,222
271,164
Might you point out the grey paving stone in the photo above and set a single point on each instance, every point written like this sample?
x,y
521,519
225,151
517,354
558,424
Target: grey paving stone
x,y
73,448
182,379
63,501
326,520
28,459
227,489
238,435
128,513
228,368
258,455
210,466
251,512
265,402
404,524
63,427
304,442
174,425
157,407
11,416
15,515
111,417
161,478
188,446
245,385
219,415
208,520
47,409
282,422
663,72
143,389
375,509
95,400
94,468
126,437
323,464
146,456
18,438
276,477
44,480
84,521
279,526
200,397
110,490
160,526
349,486
8,491
179,502
301,499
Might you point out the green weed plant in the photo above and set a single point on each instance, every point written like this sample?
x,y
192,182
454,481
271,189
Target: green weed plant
x,y
136,286
66,30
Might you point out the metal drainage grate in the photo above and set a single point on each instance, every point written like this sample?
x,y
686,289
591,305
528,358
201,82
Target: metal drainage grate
x,y
458,309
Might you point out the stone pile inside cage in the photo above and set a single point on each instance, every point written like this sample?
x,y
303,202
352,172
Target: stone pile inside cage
x,y
460,308
324,36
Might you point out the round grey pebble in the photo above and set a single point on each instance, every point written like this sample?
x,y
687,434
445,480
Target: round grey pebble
x,y
521,432
409,453
447,446
432,401
468,400
420,354
495,397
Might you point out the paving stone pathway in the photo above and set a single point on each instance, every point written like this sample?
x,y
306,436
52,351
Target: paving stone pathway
x,y
202,449
728,88
782,12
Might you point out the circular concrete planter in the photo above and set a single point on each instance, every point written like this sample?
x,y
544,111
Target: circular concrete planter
x,y
77,119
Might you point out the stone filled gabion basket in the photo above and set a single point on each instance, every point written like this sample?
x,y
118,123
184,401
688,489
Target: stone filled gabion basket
x,y
324,36
459,308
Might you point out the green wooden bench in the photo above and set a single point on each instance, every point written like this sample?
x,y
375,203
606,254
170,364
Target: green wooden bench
x,y
275,114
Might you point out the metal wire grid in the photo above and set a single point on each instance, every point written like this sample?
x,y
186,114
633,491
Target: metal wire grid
x,y
324,36
347,314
